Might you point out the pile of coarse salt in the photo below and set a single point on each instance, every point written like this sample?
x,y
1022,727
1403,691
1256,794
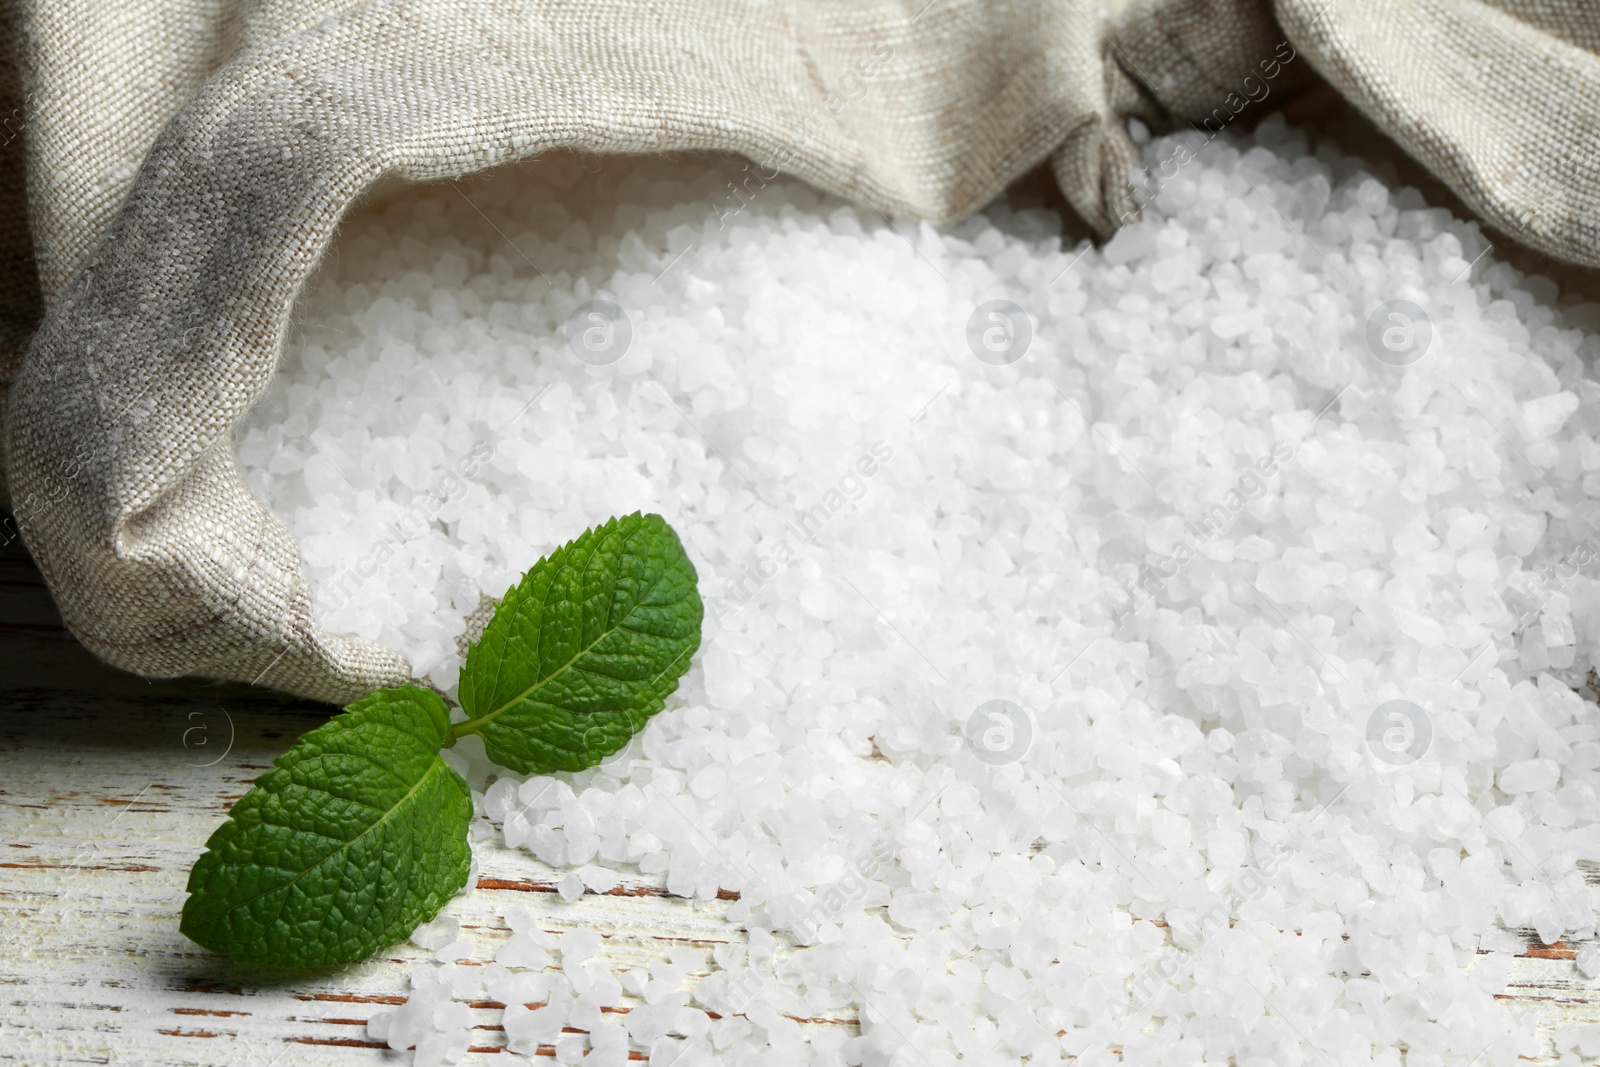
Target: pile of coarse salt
x,y
1156,654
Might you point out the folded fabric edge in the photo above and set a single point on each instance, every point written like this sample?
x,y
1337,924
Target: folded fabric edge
x,y
163,591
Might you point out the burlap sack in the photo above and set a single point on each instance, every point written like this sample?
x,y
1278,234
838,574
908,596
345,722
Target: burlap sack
x,y
187,162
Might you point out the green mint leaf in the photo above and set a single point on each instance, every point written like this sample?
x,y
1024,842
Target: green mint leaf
x,y
584,649
357,836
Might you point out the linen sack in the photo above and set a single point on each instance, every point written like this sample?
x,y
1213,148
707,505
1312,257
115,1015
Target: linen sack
x,y
178,167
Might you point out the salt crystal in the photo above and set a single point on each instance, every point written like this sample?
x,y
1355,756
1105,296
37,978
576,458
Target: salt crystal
x,y
1505,823
459,949
519,987
569,1049
440,1050
665,1051
1529,776
436,934
649,1022
1130,244
1545,415
918,911
524,921
528,1028
608,1043
599,879
1372,196
378,1024
584,1014
522,951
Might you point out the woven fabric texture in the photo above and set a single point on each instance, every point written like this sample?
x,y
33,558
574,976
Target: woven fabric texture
x,y
187,163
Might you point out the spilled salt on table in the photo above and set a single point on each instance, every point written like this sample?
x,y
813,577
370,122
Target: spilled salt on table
x,y
1217,622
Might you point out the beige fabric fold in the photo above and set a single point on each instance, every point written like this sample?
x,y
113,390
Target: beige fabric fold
x,y
188,161
119,424
1501,102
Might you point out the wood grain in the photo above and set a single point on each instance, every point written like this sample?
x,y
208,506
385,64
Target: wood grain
x,y
109,787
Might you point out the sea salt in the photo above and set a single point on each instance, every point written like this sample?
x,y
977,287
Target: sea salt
x,y
522,951
570,887
1530,776
1275,533
529,1028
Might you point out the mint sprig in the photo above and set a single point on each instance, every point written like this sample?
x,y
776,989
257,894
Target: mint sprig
x,y
355,836
584,649
359,833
